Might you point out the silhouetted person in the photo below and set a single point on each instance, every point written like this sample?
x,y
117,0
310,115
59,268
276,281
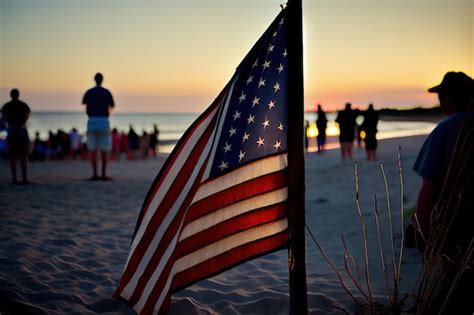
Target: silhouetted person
x,y
64,144
154,140
133,142
123,144
39,149
321,124
359,130
50,146
16,113
346,121
75,143
455,93
369,126
144,144
115,144
99,102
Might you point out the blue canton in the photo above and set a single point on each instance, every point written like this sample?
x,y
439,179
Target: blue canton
x,y
256,120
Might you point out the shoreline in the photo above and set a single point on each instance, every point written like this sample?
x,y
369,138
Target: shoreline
x,y
413,117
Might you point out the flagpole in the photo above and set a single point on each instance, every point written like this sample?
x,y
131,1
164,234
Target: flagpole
x,y
296,172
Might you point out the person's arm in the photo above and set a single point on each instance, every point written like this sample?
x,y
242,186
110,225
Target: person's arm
x,y
426,201
85,101
111,102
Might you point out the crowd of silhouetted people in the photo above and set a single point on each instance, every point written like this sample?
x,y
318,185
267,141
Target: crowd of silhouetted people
x,y
349,130
61,145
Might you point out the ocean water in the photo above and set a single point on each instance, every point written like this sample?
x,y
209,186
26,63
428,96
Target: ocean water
x,y
387,129
173,125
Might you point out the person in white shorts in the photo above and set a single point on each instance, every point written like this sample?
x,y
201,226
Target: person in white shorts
x,y
98,102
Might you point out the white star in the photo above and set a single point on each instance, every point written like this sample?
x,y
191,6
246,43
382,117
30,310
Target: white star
x,y
275,34
246,136
281,21
250,79
277,87
232,131
280,127
280,68
236,115
251,119
227,147
266,64
285,53
261,82
255,63
223,165
270,48
255,101
277,145
241,156
271,104
242,97
260,141
266,123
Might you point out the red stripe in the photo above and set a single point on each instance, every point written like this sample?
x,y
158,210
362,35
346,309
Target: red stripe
x,y
212,266
228,260
158,288
170,165
230,227
163,209
250,188
165,306
204,238
165,241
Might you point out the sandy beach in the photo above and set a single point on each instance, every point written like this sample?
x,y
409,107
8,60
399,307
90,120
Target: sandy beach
x,y
64,240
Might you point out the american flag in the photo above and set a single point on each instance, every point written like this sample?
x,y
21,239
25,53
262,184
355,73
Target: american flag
x,y
220,199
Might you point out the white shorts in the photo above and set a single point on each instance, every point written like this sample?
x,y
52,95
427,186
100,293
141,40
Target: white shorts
x,y
98,134
99,140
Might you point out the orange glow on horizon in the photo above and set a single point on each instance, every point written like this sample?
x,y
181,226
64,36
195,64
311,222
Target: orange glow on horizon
x,y
312,131
162,53
332,129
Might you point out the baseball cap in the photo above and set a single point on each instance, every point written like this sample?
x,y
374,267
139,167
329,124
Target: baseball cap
x,y
453,82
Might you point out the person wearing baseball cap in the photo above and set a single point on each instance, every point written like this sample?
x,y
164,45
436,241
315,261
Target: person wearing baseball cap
x,y
455,92
456,95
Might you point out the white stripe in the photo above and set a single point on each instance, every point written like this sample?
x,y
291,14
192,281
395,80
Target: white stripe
x,y
168,181
229,243
216,249
242,174
141,304
222,116
164,226
128,291
233,210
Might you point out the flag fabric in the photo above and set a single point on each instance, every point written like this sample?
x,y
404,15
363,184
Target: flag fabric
x,y
221,197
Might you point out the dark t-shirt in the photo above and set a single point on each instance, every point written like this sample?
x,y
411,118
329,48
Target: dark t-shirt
x,y
371,119
346,121
435,155
98,100
16,113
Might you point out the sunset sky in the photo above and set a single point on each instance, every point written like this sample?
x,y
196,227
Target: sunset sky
x,y
176,56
